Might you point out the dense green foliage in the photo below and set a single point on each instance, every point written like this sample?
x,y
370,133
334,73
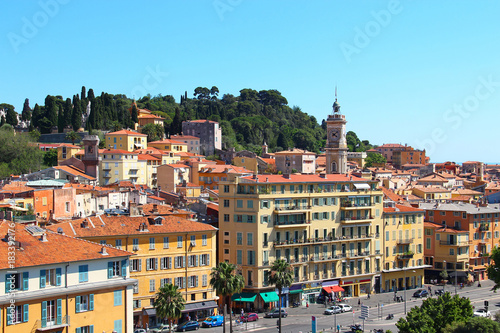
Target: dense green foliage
x,y
494,269
372,158
50,158
474,325
153,131
247,120
18,154
169,303
435,314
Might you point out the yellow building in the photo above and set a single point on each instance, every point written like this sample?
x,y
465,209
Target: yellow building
x,y
62,284
170,145
432,193
326,226
119,165
168,250
403,247
66,151
126,140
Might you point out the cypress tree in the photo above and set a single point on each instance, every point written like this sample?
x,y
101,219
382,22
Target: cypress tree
x,y
60,120
135,115
76,119
90,95
2,121
51,110
83,93
68,111
26,113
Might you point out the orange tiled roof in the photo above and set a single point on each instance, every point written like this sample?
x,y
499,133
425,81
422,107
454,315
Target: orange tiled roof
x,y
270,161
147,157
86,187
187,137
294,151
125,225
188,184
402,209
439,228
169,141
152,116
57,249
391,195
201,121
163,210
67,145
117,152
73,171
127,132
223,168
431,189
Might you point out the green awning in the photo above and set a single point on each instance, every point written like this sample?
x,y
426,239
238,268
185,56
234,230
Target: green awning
x,y
244,297
296,291
270,296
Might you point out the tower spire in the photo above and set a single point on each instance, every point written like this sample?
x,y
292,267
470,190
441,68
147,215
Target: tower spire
x,y
335,93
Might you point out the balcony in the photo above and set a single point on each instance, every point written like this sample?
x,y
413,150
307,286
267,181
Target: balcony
x,y
406,255
404,241
291,224
44,325
348,205
355,219
288,209
460,243
106,167
319,241
107,175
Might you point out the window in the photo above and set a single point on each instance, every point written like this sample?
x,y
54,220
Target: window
x,y
204,259
250,257
17,314
165,281
151,264
83,273
152,285
103,242
226,217
50,277
151,243
180,262
118,244
226,188
180,282
249,238
249,203
84,303
204,280
179,241
239,203
226,203
135,242
193,240
67,206
239,257
239,238
193,260
117,268
165,242
166,263
135,265
117,327
85,329
264,204
193,281
204,240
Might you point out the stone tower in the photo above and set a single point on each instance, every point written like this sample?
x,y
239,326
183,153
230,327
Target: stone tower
x,y
336,143
91,158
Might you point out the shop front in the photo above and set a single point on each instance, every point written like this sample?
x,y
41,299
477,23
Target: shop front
x,y
311,291
356,288
245,301
295,294
333,291
198,310
269,299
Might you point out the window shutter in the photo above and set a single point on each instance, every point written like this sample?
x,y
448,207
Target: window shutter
x,y
110,270
184,283
196,259
124,268
196,285
25,313
42,278
190,261
77,303
140,264
91,302
91,328
59,312
169,262
156,264
7,283
183,262
208,260
44,314
162,263
58,276
26,278
78,330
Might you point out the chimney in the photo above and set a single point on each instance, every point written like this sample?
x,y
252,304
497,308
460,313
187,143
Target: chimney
x,y
44,237
103,251
155,208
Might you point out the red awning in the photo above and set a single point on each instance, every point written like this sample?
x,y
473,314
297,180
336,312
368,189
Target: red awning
x,y
334,289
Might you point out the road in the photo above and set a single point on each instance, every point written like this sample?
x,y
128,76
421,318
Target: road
x,y
299,319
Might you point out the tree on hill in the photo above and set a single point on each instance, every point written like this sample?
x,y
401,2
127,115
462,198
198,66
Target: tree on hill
x,y
76,116
72,136
435,314
374,158
10,113
134,113
17,153
153,131
26,113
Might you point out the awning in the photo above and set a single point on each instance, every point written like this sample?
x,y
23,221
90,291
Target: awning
x,y
270,296
362,186
150,312
458,274
296,291
199,306
244,297
333,289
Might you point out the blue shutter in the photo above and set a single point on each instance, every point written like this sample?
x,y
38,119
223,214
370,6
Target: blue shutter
x,y
77,303
59,312
110,270
183,261
7,283
78,330
25,313
208,259
91,302
44,314
124,268
26,278
58,276
42,278
91,329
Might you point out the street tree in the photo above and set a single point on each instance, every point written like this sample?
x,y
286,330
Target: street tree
x,y
169,303
493,269
281,277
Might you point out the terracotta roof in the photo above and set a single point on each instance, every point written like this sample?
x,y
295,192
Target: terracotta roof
x,y
298,178
402,209
87,187
294,151
431,189
152,116
57,249
270,161
127,132
223,168
73,171
154,197
168,141
186,137
147,157
466,192
390,145
148,209
213,206
117,152
439,228
188,185
69,146
391,195
200,121
125,225
177,165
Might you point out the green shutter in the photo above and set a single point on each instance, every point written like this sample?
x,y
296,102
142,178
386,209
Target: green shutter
x,y
44,314
7,283
77,303
124,268
26,278
91,329
59,312
42,278
58,276
78,330
110,270
91,302
25,313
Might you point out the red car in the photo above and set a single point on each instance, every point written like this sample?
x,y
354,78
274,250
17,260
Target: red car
x,y
249,317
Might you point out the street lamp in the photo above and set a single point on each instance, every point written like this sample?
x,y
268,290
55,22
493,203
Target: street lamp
x,y
404,270
444,267
455,278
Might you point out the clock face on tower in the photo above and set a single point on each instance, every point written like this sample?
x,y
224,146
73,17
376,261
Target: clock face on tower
x,y
334,134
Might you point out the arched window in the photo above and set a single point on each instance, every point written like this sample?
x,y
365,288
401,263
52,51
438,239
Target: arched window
x,y
334,166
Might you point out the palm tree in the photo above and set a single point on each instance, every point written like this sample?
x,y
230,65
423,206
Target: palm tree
x,y
73,136
169,303
281,276
226,282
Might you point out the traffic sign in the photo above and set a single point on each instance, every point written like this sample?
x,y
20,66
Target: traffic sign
x,y
365,312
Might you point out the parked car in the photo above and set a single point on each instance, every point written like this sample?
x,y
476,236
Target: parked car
x,y
249,317
439,292
482,313
421,293
188,326
213,321
275,313
161,329
345,307
140,330
333,309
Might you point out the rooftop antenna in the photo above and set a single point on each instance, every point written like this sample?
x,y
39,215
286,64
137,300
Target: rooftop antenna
x,y
335,92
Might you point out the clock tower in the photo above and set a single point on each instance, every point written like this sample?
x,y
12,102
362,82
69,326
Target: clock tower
x,y
336,143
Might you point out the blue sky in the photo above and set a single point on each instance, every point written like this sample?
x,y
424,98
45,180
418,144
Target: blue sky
x,y
423,73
